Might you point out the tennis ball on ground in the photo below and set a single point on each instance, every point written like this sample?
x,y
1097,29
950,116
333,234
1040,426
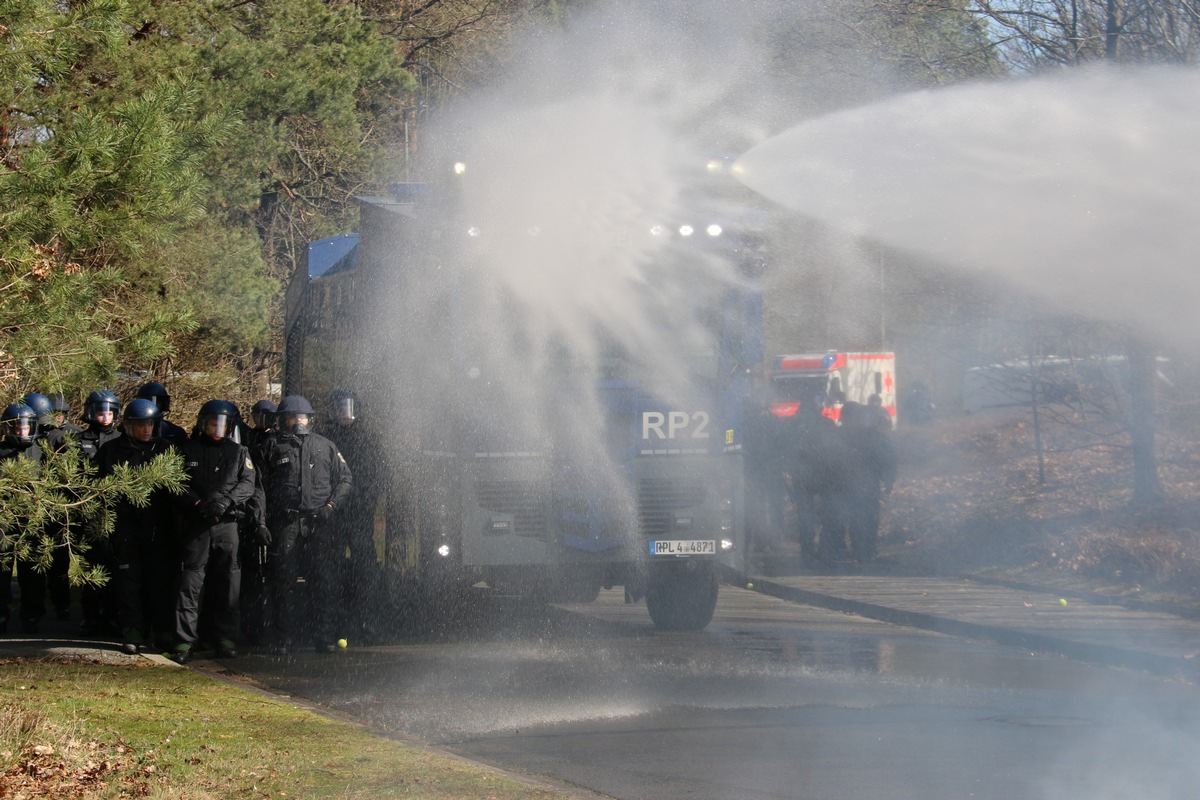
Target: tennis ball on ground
x,y
1062,601
341,643
749,585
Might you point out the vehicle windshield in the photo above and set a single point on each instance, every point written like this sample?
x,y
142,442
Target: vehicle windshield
x,y
799,388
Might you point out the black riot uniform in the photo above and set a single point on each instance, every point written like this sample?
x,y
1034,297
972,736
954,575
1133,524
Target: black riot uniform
x,y
101,412
96,434
361,582
144,577
51,438
872,469
220,481
307,481
254,537
818,472
767,443
19,428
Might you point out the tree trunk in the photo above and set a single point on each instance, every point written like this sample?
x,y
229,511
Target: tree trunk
x,y
1143,370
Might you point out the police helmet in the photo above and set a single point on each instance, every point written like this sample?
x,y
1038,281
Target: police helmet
x,y
297,407
19,423
156,393
142,409
345,406
221,414
100,401
41,406
263,413
59,404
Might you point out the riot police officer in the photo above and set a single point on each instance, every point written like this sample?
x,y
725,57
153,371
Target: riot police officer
x,y
220,481
156,393
307,482
262,417
62,412
767,449
51,438
19,425
871,461
101,413
361,578
143,578
254,536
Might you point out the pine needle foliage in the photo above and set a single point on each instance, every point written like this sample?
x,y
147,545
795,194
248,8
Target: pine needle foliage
x,y
61,504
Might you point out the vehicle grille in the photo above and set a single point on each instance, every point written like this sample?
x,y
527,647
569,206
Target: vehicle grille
x,y
525,500
659,498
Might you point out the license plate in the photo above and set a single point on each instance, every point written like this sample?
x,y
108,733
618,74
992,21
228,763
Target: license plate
x,y
682,547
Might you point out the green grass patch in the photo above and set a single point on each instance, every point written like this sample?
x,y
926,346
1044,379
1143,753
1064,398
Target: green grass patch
x,y
79,729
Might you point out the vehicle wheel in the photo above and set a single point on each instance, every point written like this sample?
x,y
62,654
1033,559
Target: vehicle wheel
x,y
682,598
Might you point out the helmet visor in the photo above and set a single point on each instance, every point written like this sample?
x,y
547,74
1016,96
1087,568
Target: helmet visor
x,y
104,412
344,410
216,426
142,430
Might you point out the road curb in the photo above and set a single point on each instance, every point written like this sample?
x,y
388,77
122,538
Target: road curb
x,y
1158,664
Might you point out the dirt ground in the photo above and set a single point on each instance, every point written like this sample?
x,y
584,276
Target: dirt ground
x,y
972,498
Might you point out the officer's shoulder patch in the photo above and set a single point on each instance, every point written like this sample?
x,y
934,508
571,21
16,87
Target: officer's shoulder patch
x,y
341,457
249,463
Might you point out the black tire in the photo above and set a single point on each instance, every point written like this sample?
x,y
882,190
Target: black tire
x,y
684,597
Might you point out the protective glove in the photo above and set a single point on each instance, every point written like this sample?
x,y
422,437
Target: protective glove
x,y
213,510
325,513
262,537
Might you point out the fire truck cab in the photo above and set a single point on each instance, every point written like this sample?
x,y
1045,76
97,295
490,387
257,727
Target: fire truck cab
x,y
835,379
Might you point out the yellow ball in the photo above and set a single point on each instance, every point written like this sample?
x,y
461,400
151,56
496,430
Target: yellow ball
x,y
341,643
1062,601
749,585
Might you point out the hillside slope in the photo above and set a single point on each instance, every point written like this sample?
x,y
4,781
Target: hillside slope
x,y
969,501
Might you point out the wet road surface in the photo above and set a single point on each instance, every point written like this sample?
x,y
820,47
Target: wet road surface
x,y
773,700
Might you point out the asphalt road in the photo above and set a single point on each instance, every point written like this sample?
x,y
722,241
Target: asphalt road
x,y
775,699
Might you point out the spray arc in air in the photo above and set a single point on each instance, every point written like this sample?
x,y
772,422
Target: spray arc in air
x,y
1078,188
